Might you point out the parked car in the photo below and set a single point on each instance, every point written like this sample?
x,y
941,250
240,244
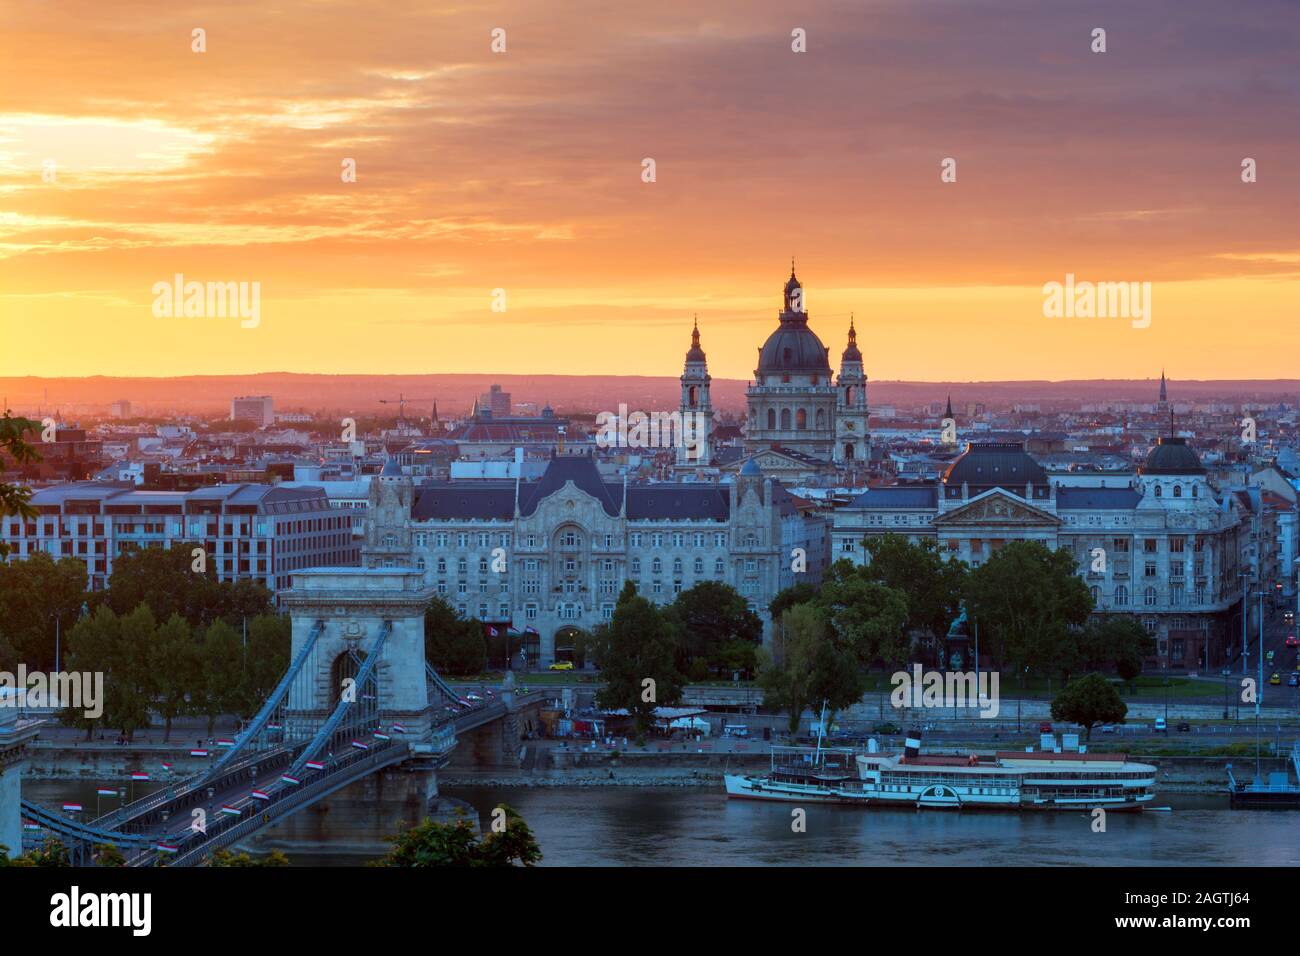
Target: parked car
x,y
1045,727
562,666
1291,641
474,697
1108,729
1275,679
1161,726
1184,727
1293,680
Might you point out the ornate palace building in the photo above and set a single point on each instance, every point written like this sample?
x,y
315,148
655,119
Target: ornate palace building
x,y
1163,545
548,558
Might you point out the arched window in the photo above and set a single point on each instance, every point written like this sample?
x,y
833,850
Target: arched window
x,y
1159,491
821,419
848,452
691,396
785,419
801,419
848,395
1194,495
771,419
1121,596
1178,491
1150,597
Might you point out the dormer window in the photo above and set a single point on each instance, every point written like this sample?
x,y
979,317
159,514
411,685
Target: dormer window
x,y
1159,491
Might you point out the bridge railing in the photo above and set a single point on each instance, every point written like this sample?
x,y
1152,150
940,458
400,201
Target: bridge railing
x,y
289,799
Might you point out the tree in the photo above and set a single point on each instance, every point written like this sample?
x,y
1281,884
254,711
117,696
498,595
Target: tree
x,y
40,597
452,644
932,584
51,853
269,641
809,664
220,666
458,844
118,648
1030,603
709,616
869,618
15,499
1118,641
108,855
164,579
1089,701
228,858
638,644
174,661
800,593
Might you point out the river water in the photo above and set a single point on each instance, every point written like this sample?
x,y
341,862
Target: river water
x,y
699,826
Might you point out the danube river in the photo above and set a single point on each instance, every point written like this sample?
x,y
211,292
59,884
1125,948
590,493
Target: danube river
x,y
698,826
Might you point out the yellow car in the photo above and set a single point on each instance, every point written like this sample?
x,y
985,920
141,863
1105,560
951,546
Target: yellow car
x,y
562,666
1275,679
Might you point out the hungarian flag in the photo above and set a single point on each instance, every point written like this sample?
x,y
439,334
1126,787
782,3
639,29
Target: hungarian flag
x,y
198,753
105,792
233,811
290,780
72,807
360,746
380,735
315,765
167,766
275,726
139,776
260,795
398,729
28,825
530,630
225,742
167,848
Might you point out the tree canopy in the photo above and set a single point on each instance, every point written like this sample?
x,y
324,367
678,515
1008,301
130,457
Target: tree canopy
x,y
459,844
1089,701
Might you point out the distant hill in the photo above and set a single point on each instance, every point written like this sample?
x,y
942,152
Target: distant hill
x,y
455,394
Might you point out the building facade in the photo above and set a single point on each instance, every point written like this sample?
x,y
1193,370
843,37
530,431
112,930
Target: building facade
x,y
1163,545
548,558
249,532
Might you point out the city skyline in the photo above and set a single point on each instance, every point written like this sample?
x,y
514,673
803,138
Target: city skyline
x,y
523,171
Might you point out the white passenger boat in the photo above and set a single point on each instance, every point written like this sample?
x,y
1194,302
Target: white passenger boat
x,y
1005,780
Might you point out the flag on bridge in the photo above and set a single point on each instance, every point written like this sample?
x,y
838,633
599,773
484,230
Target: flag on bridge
x,y
275,726
139,776
380,735
225,742
105,792
28,825
233,811
167,848
530,630
315,765
260,795
166,765
360,746
72,807
198,753
399,729
291,780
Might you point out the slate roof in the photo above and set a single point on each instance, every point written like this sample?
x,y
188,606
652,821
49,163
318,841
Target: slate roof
x,y
893,497
995,464
678,502
477,498
1092,499
579,469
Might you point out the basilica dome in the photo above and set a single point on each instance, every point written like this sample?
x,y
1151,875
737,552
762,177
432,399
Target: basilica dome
x,y
794,347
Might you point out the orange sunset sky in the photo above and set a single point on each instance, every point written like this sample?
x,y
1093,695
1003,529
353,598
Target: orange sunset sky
x,y
523,171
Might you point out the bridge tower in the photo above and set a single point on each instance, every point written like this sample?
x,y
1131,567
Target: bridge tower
x,y
353,606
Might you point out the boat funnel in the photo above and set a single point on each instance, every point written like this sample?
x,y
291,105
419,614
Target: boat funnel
x,y
912,746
